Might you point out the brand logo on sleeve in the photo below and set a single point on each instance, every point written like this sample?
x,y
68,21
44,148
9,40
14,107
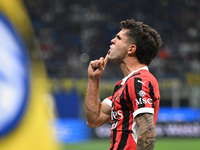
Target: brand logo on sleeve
x,y
143,83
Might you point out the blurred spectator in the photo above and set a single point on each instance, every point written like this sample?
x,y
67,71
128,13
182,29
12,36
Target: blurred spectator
x,y
68,30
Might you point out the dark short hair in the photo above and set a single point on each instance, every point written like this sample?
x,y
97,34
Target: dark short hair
x,y
146,39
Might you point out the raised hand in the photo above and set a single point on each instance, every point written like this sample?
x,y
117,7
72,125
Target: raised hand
x,y
96,68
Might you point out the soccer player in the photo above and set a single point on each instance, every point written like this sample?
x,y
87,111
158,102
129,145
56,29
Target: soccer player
x,y
133,107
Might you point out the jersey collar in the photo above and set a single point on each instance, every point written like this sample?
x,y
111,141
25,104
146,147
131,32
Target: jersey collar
x,y
130,74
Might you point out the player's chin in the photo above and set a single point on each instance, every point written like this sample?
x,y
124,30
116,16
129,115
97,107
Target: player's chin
x,y
112,59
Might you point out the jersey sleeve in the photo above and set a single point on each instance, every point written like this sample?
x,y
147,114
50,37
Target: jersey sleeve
x,y
108,101
141,95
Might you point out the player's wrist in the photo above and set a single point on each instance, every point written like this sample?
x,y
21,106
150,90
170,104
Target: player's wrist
x,y
93,79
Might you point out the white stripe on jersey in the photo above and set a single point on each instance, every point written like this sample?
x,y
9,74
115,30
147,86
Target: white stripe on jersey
x,y
135,131
108,102
143,110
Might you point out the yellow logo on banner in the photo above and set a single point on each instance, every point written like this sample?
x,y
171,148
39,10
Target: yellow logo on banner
x,y
25,111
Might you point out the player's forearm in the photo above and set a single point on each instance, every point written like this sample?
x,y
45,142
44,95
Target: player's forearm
x,y
92,102
146,139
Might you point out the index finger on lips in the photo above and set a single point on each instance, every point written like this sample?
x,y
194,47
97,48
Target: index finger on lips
x,y
106,60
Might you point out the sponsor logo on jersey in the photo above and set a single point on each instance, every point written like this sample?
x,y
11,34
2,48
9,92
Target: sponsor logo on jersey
x,y
143,101
115,115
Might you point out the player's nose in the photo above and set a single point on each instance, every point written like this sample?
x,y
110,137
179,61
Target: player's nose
x,y
113,41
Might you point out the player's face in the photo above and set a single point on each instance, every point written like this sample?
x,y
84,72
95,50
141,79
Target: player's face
x,y
119,47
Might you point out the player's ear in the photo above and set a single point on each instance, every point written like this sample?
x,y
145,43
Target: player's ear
x,y
132,49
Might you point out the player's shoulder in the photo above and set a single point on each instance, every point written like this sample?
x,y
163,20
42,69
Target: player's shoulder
x,y
144,75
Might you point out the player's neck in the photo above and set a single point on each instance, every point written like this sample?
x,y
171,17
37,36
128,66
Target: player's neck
x,y
130,66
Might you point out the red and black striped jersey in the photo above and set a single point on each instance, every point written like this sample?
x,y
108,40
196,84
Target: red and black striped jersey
x,y
135,94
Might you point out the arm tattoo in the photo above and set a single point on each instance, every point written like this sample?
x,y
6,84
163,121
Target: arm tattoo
x,y
147,133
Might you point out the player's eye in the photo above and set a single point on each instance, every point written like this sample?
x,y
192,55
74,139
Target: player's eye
x,y
118,37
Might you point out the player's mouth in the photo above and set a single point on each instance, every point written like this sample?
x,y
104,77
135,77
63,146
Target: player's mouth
x,y
111,46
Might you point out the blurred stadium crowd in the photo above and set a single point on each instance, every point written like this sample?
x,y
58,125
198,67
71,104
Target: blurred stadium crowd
x,y
71,33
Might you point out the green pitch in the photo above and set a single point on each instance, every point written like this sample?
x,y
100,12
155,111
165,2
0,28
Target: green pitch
x,y
161,144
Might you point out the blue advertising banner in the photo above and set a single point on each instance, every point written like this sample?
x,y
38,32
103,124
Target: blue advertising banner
x,y
182,114
71,130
